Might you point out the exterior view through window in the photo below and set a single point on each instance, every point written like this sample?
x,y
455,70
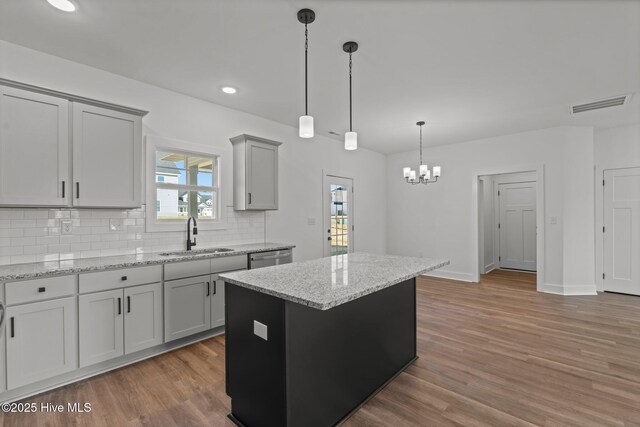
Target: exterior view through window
x,y
186,185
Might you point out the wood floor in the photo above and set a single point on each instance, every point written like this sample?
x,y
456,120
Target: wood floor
x,y
494,354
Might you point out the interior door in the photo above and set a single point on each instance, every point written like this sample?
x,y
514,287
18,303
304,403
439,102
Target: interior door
x,y
622,230
34,149
517,225
338,215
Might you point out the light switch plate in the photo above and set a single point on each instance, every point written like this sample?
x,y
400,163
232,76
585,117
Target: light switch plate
x,y
553,220
66,226
260,329
311,221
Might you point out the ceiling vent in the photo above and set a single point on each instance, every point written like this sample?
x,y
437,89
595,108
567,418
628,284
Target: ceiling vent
x,y
616,101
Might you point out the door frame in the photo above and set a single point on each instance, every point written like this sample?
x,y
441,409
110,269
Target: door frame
x,y
476,217
326,177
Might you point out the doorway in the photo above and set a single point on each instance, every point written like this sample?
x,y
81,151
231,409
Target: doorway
x,y
621,231
508,222
338,208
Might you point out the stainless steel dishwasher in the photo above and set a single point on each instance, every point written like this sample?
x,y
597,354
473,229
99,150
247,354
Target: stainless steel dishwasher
x,y
267,259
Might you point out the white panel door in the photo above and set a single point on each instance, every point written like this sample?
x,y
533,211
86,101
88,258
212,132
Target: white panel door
x,y
217,301
262,176
143,323
34,149
517,225
622,230
41,341
107,149
187,307
338,215
101,326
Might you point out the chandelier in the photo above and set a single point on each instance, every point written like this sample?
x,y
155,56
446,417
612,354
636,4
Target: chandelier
x,y
425,173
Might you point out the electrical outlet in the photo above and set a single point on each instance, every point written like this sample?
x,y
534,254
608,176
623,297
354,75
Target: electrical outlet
x,y
553,220
66,226
115,224
311,221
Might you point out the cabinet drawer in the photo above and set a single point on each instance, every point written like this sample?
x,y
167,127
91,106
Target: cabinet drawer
x,y
179,270
230,263
112,279
40,289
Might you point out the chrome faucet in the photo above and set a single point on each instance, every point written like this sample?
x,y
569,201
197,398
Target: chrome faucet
x,y
191,244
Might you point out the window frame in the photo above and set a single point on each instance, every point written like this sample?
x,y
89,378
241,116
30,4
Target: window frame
x,y
154,144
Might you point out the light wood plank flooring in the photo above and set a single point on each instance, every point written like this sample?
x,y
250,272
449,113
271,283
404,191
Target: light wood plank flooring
x,y
495,354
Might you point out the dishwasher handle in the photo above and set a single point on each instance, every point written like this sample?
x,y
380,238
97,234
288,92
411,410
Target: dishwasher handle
x,y
268,257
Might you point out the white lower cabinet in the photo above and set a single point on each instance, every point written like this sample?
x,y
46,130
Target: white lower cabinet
x,y
118,322
101,327
143,317
217,302
187,306
41,341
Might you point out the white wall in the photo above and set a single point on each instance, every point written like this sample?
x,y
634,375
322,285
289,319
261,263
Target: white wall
x,y
180,117
441,220
614,148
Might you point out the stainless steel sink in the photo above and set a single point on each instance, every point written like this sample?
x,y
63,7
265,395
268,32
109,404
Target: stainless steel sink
x,y
197,252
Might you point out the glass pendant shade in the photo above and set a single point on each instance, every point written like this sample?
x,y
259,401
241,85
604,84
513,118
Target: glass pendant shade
x,y
412,175
306,126
424,170
351,140
437,171
405,172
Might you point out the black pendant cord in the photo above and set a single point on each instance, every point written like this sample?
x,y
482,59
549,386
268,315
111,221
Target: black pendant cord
x,y
350,96
420,144
306,49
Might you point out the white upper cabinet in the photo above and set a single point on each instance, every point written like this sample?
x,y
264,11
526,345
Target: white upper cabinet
x,y
107,150
255,173
34,147
58,149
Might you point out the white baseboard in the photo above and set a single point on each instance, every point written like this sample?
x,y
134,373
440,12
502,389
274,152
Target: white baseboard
x,y
489,268
569,290
453,275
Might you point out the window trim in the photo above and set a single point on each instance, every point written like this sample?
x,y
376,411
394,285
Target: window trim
x,y
154,144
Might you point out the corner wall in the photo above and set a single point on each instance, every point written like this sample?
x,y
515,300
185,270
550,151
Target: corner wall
x,y
441,220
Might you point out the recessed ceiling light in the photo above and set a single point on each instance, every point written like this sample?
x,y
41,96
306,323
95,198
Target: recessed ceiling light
x,y
64,5
229,89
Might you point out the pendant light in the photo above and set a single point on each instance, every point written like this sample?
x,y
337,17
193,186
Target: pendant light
x,y
305,129
351,137
425,173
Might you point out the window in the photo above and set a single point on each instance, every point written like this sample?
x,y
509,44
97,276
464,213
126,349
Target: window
x,y
186,185
183,179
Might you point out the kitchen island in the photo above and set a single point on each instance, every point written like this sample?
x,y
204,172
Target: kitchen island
x,y
307,343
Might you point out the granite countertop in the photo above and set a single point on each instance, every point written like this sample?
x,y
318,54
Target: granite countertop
x,y
59,268
328,282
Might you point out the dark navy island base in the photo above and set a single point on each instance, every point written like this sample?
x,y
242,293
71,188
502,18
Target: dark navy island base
x,y
317,366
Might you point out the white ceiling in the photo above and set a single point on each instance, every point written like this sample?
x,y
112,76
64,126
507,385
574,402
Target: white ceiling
x,y
470,69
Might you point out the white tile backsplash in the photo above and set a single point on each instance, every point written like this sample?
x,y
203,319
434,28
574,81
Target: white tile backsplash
x,y
34,234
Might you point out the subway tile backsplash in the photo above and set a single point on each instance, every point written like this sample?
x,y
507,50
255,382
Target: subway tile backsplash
x,y
34,234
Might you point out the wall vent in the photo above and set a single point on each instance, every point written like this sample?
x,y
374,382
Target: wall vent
x,y
599,104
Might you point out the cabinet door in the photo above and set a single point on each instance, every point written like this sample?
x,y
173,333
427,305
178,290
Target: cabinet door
x,y
217,301
101,326
262,176
143,326
107,148
34,149
41,341
187,307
